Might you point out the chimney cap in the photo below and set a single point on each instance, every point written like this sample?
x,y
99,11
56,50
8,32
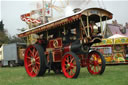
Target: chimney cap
x,y
76,10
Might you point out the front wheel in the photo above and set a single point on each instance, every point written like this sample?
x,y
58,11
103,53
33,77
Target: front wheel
x,y
95,63
70,65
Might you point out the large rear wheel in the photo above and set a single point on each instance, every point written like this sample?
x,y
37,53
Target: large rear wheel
x,y
70,65
34,61
95,63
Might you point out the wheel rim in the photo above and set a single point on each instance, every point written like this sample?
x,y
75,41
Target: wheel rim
x,y
94,63
32,61
69,66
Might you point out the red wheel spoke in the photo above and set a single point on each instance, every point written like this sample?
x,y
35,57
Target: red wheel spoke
x,y
37,58
71,72
38,63
30,65
28,57
72,59
67,60
67,68
36,54
33,50
31,70
99,68
31,53
73,65
36,69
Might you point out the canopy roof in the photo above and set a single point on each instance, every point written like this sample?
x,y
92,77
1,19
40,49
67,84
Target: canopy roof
x,y
117,36
53,24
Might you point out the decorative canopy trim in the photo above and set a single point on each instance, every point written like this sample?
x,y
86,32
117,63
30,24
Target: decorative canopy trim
x,y
65,20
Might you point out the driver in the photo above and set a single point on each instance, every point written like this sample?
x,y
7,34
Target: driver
x,y
96,29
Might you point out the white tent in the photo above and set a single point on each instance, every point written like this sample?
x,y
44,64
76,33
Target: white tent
x,y
117,36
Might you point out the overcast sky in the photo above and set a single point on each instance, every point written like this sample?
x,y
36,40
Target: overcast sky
x,y
10,11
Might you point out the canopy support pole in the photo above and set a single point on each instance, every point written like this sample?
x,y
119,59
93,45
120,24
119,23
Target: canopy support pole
x,y
83,26
88,27
101,25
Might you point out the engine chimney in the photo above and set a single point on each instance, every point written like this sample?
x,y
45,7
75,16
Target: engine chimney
x,y
76,10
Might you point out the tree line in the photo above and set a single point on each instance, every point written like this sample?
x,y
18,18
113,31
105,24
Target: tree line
x,y
5,38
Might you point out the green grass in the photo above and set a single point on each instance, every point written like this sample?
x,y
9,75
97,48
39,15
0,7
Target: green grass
x,y
113,75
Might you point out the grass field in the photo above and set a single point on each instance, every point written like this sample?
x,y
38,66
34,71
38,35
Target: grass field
x,y
113,75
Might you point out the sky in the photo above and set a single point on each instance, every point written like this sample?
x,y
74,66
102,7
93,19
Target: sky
x,y
11,10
